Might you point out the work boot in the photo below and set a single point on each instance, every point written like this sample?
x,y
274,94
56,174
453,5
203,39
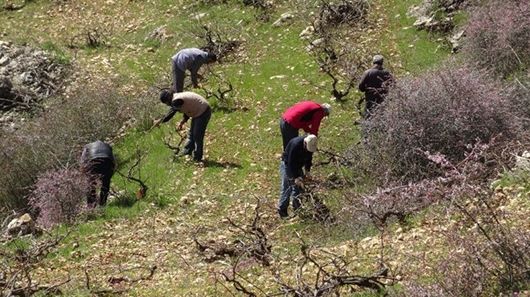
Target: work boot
x,y
283,213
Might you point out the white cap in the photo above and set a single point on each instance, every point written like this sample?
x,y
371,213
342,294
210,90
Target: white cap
x,y
310,142
327,108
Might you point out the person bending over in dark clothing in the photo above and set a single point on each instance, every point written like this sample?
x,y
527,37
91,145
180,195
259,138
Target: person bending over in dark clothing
x,y
294,167
98,161
374,83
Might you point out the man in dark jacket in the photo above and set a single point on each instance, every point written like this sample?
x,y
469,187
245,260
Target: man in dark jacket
x,y
97,160
305,115
189,59
294,167
374,83
193,106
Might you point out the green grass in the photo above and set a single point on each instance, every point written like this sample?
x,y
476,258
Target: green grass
x,y
60,55
419,50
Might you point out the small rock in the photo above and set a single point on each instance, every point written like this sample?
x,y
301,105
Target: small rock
x,y
199,16
159,34
307,32
315,43
455,40
284,18
4,61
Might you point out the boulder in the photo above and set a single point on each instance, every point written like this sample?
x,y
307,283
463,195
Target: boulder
x,y
21,226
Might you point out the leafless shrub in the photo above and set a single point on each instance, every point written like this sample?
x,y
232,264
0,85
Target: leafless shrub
x,y
122,281
134,174
338,62
250,241
317,273
332,49
264,7
486,255
18,265
91,37
312,207
341,13
498,36
217,41
443,111
224,94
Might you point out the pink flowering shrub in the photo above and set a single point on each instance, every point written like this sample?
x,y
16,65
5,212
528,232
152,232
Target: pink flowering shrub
x,y
498,36
59,196
443,111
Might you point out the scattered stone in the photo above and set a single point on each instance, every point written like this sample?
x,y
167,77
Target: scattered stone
x,y
199,16
21,226
455,40
159,34
27,76
285,18
428,14
432,24
314,44
307,32
523,162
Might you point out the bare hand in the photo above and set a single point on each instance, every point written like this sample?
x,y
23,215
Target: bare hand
x,y
299,182
156,123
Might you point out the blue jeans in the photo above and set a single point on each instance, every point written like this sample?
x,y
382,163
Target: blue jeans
x,y
288,132
195,141
178,78
288,188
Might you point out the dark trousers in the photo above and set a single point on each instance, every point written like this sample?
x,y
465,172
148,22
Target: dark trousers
x,y
372,101
178,79
101,171
196,135
288,132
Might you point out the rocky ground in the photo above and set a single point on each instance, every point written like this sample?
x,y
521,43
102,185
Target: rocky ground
x,y
27,77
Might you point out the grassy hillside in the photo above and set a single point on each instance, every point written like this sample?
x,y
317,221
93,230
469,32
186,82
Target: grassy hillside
x,y
270,71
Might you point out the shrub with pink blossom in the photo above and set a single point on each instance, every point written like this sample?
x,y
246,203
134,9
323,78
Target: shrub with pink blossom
x,y
59,196
443,111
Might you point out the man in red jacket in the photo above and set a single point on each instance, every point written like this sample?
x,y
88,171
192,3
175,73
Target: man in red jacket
x,y
304,115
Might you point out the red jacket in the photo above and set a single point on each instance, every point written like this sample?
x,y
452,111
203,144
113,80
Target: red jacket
x,y
305,115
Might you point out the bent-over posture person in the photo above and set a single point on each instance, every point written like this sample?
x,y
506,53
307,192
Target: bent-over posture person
x,y
374,83
193,106
294,167
305,115
98,161
189,59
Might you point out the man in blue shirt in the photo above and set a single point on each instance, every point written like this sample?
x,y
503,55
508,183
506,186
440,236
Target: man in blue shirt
x,y
189,59
295,165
